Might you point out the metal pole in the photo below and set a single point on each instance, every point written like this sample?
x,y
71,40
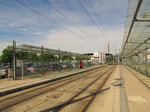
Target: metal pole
x,y
139,63
59,60
134,19
113,60
132,62
77,61
14,59
70,64
146,72
118,59
70,61
9,73
108,53
42,48
22,69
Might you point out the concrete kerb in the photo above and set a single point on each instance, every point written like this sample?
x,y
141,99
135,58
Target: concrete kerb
x,y
7,92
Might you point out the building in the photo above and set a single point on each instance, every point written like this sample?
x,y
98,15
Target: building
x,y
100,57
97,57
109,57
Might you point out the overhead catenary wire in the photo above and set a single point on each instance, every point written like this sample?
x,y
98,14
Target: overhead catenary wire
x,y
100,22
92,20
51,20
105,37
90,17
78,27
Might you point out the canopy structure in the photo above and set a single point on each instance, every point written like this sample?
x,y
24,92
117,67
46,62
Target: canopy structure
x,y
137,30
136,40
37,49
42,62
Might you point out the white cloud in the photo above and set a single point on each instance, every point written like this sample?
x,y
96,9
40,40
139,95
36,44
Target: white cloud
x,y
65,40
29,24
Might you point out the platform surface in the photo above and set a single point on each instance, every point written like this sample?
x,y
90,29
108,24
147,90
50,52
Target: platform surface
x,y
126,94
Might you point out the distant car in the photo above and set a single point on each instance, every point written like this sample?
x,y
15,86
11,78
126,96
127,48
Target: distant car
x,y
26,65
53,67
34,68
3,72
64,66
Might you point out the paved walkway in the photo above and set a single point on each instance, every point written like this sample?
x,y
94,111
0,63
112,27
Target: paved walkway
x,y
137,93
8,84
126,94
144,79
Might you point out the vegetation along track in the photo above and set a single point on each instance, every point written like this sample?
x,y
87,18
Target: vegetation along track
x,y
11,100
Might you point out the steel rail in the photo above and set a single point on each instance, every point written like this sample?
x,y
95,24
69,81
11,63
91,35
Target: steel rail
x,y
72,98
99,89
42,92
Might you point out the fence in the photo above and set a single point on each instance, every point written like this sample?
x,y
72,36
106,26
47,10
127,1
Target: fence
x,y
31,60
139,62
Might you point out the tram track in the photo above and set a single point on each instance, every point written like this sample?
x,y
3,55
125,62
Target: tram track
x,y
18,98
49,84
97,91
92,97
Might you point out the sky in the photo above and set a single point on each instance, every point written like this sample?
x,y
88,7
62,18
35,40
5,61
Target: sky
x,y
80,26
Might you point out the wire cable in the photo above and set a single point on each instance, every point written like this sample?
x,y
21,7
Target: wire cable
x,y
51,20
100,22
46,1
90,17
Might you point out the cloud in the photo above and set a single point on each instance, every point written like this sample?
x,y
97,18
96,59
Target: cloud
x,y
22,24
64,40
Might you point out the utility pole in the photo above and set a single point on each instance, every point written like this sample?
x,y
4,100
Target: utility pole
x,y
146,61
108,48
14,59
119,56
42,60
108,53
59,67
113,59
115,52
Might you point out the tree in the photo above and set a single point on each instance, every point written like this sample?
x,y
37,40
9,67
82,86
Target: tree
x,y
85,58
82,58
6,56
22,55
66,58
47,57
32,56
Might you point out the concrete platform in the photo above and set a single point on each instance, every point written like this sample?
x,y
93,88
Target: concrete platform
x,y
112,100
138,93
144,79
126,94
8,86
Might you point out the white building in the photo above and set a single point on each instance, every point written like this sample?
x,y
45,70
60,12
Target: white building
x,y
99,57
